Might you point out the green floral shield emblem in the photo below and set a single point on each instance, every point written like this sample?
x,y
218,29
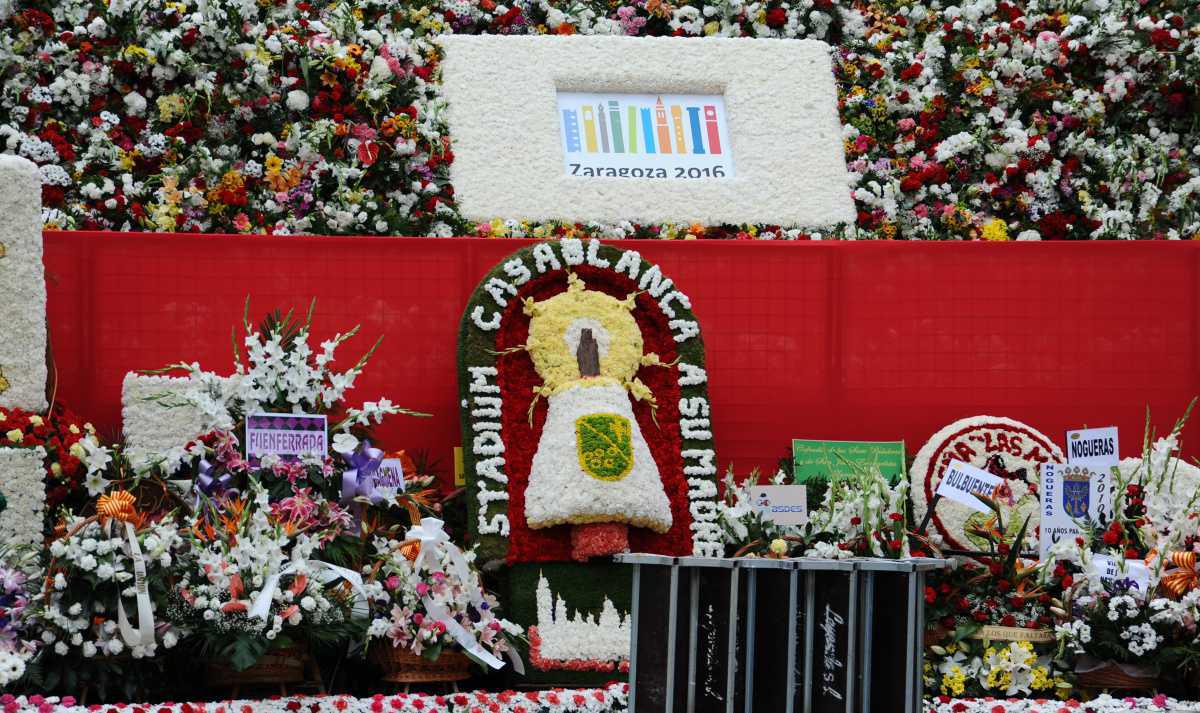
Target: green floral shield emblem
x,y
605,445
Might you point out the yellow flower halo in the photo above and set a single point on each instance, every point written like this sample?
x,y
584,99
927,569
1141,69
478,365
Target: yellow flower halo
x,y
552,322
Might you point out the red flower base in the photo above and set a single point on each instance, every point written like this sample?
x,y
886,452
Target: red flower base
x,y
598,539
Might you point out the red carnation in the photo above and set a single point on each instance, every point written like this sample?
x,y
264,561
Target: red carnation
x,y
776,17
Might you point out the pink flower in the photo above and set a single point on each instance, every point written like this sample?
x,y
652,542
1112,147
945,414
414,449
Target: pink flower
x,y
422,589
392,583
906,124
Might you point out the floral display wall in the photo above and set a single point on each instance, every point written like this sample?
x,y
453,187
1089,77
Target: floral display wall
x,y
986,119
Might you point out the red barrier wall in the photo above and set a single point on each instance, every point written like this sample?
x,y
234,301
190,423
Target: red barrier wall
x,y
817,340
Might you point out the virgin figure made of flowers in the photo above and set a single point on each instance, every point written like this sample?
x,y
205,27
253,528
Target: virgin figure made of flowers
x,y
592,469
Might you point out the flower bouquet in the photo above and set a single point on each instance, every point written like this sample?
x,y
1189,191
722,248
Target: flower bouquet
x,y
743,528
104,591
860,516
17,590
252,584
1128,618
428,607
281,373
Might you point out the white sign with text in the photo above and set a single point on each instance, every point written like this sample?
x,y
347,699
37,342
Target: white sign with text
x,y
1072,495
1109,570
963,481
1095,447
781,504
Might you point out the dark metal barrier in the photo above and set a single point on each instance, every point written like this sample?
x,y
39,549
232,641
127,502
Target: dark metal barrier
x,y
714,635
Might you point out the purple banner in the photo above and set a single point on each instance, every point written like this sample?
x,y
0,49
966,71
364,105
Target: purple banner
x,y
287,435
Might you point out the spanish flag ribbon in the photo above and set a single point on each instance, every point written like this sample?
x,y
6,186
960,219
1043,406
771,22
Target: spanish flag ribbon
x,y
1183,576
118,505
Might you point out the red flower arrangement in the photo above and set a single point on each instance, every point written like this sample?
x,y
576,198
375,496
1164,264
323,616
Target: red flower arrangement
x,y
57,432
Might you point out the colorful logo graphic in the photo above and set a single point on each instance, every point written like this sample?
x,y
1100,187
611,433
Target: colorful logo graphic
x,y
681,136
632,128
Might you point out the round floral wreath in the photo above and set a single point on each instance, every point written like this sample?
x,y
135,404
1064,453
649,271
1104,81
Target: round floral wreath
x,y
1001,447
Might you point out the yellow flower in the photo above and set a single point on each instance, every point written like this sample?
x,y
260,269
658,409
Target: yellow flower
x,y
126,160
779,547
995,230
712,28
72,429
15,435
134,53
979,87
170,106
36,420
273,163
76,450
56,469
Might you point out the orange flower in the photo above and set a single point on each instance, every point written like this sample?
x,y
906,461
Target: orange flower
x,y
235,586
298,584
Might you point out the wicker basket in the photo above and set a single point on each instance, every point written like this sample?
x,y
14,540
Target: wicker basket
x,y
403,666
1109,675
278,666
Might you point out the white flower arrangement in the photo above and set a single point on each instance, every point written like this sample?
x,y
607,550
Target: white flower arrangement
x,y
741,522
93,560
157,424
771,88
1008,446
566,640
22,287
863,515
22,481
1171,491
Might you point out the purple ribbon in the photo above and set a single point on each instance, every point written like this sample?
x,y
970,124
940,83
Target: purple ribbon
x,y
211,486
359,480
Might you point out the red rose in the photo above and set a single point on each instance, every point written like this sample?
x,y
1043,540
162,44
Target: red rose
x,y
776,17
912,71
